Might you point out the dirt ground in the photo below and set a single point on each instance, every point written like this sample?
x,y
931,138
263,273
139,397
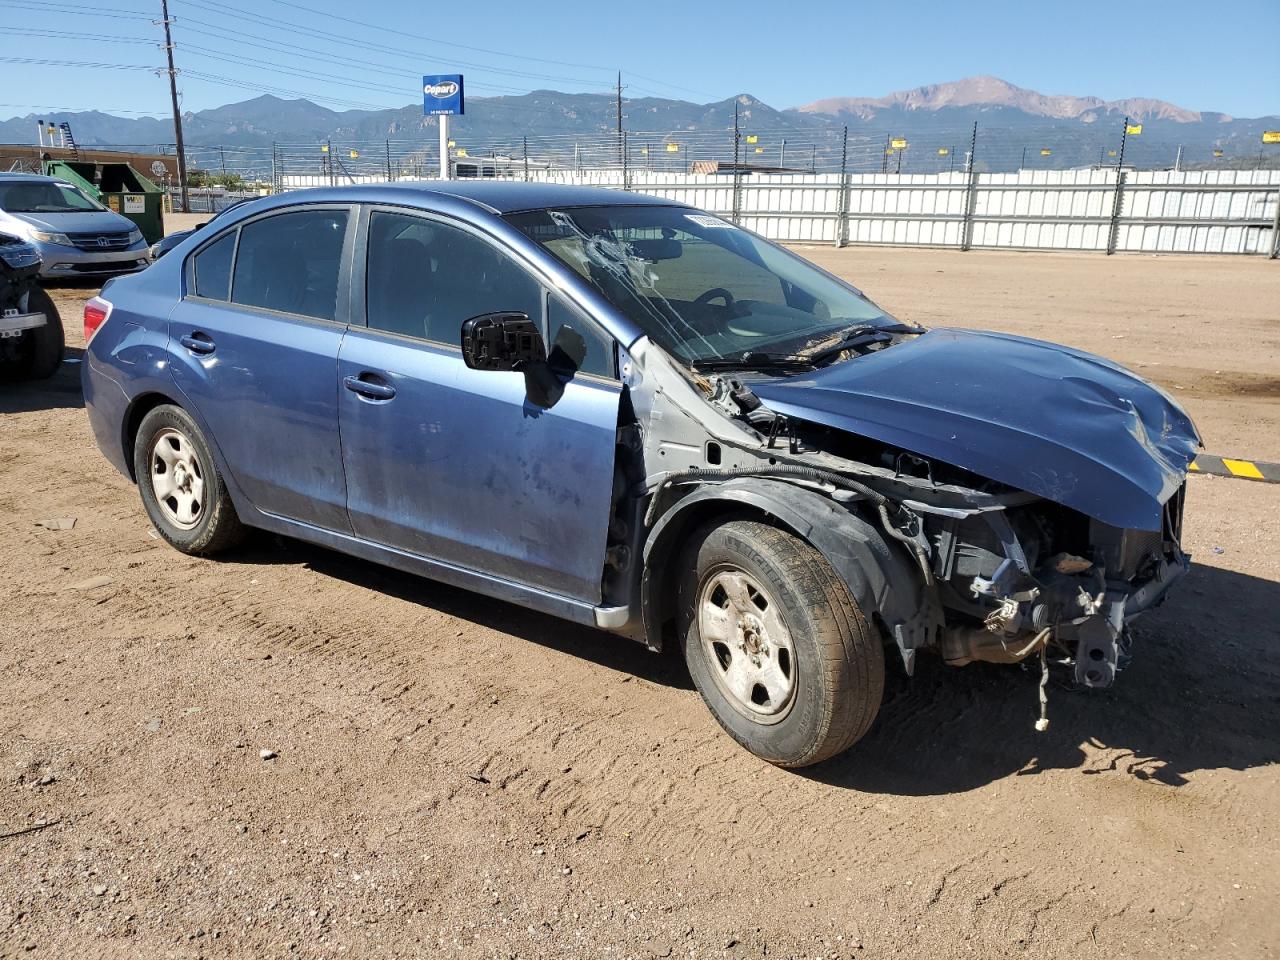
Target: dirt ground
x,y
458,777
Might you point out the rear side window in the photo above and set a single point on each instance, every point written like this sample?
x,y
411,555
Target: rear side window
x,y
213,268
290,262
425,278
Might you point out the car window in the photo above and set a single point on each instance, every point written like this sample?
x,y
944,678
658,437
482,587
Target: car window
x,y
424,278
213,268
290,262
575,345
44,196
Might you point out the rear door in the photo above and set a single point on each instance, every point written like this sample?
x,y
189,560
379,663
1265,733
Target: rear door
x,y
255,342
455,464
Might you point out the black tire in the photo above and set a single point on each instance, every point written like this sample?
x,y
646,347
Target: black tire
x,y
836,659
47,342
214,526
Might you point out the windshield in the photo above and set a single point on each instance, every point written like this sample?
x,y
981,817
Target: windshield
x,y
44,196
699,286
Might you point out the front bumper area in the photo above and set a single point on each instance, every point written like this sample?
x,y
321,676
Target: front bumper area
x,y
1100,639
1071,608
62,261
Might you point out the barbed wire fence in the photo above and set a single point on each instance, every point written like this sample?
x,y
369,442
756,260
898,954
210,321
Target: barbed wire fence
x,y
967,186
796,150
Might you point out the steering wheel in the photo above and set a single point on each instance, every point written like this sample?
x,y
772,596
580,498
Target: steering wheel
x,y
704,298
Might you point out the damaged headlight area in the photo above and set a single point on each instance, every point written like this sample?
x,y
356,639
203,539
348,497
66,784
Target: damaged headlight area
x,y
1045,577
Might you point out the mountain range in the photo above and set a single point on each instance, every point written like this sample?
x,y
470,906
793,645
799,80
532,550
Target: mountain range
x,y
1078,127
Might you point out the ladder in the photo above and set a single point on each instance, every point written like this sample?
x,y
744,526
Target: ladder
x,y
68,140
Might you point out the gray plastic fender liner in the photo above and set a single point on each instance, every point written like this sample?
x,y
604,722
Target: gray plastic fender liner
x,y
882,579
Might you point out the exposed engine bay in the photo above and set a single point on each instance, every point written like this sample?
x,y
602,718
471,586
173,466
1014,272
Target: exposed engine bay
x,y
974,569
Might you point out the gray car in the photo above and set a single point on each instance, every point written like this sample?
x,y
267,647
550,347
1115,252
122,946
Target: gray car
x,y
75,234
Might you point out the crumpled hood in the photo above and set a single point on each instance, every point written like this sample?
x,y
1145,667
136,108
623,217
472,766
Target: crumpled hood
x,y
1065,425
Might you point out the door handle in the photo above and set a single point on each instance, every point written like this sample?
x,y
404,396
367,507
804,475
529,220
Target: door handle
x,y
198,343
369,389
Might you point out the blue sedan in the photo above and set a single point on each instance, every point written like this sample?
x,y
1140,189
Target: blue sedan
x,y
636,415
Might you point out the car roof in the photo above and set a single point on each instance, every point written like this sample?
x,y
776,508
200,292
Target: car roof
x,y
29,176
500,197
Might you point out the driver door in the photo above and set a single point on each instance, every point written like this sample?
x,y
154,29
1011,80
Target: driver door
x,y
455,464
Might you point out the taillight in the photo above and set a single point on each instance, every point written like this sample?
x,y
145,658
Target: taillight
x,y
96,311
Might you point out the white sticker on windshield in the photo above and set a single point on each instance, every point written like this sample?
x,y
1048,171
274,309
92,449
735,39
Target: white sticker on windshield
x,y
703,220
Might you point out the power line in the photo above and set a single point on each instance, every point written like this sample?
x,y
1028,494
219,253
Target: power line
x,y
66,8
218,6
280,46
50,106
49,62
285,91
77,10
68,35
463,46
210,77
297,73
436,40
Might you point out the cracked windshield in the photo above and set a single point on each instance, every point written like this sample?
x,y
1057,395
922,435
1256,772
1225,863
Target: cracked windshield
x,y
700,287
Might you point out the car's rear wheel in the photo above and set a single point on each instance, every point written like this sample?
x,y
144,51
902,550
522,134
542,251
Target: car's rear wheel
x,y
47,342
181,489
776,644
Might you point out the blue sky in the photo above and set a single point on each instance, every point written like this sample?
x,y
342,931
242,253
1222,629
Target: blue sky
x,y
1224,56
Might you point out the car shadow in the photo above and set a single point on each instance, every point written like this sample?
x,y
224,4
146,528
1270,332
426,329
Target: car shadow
x,y
1201,693
612,652
60,391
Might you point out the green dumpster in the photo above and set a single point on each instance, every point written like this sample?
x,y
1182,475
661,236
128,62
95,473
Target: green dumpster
x,y
119,187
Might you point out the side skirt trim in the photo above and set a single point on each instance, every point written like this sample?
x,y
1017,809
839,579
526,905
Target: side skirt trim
x,y
559,606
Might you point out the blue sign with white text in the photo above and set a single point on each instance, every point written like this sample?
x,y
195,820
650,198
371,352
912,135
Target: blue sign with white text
x,y
442,95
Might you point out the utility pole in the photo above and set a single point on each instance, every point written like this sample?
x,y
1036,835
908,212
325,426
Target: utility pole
x,y
619,117
1119,196
177,114
222,154
737,171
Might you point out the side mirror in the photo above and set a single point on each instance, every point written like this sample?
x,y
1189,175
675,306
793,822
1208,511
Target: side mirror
x,y
502,341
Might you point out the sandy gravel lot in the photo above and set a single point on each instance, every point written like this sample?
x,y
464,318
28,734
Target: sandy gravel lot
x,y
458,777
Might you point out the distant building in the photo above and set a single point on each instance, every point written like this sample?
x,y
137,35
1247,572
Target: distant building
x,y
729,167
26,157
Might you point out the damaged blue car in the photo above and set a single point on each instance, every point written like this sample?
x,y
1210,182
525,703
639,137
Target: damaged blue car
x,y
635,415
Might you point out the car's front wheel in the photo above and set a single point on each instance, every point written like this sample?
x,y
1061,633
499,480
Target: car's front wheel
x,y
181,489
776,644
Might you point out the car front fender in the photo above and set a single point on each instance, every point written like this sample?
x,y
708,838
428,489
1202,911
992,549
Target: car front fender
x,y
886,584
